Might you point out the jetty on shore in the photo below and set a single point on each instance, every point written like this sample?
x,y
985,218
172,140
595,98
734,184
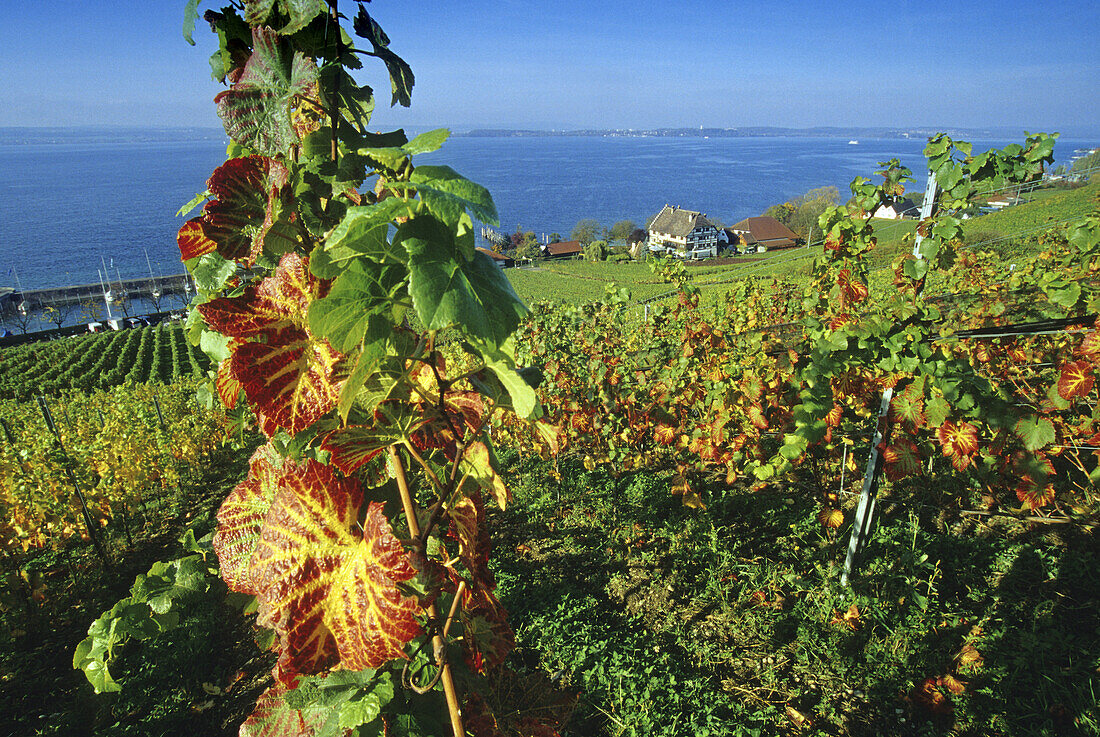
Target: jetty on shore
x,y
134,288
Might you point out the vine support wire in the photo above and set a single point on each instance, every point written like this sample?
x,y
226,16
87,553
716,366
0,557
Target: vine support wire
x,y
48,417
863,523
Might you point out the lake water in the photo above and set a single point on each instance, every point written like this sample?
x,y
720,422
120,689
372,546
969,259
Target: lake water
x,y
68,200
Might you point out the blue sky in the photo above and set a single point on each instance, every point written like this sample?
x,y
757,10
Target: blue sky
x,y
603,63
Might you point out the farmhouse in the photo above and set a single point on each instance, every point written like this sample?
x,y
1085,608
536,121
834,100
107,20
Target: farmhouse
x,y
762,234
682,233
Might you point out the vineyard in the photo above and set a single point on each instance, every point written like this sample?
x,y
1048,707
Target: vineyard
x,y
84,461
158,353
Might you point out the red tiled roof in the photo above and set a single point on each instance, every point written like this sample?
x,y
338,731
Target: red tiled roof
x,y
564,248
494,255
765,229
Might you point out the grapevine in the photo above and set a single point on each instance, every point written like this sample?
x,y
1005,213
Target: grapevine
x,y
374,345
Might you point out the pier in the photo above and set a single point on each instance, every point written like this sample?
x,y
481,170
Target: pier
x,y
141,287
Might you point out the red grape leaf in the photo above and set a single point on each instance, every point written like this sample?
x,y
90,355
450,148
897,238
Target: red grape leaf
x,y
960,442
192,240
330,593
280,301
241,517
291,380
928,697
901,459
1033,494
258,109
1090,345
665,434
229,389
851,291
486,637
273,717
468,528
831,518
290,377
909,407
1076,380
250,192
355,446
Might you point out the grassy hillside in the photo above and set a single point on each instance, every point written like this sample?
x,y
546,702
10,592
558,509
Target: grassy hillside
x,y
1054,208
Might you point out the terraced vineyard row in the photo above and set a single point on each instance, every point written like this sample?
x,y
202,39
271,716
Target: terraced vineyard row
x,y
157,354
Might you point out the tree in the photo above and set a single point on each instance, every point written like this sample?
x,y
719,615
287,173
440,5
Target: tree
x,y
527,250
23,317
801,213
621,230
58,313
637,236
596,251
555,237
90,310
587,230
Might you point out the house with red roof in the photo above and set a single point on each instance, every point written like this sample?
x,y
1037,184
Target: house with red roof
x,y
761,234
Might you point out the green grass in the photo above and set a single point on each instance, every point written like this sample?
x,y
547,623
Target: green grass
x,y
670,621
1055,208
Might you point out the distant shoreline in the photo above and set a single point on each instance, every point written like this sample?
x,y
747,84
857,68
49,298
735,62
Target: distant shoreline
x,y
851,134
81,134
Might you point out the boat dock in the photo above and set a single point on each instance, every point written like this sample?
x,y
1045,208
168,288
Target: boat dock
x,y
134,288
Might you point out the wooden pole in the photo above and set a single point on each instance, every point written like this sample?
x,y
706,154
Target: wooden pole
x,y
454,709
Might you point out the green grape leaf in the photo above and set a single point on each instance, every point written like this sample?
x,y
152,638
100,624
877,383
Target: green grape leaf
x,y
195,201
1036,432
190,15
366,706
363,232
211,271
401,76
358,307
426,142
447,193
447,290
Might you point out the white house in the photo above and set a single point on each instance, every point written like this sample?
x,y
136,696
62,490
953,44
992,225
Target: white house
x,y
898,210
682,233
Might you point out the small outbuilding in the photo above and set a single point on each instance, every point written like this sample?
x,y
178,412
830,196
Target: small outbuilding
x,y
563,249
